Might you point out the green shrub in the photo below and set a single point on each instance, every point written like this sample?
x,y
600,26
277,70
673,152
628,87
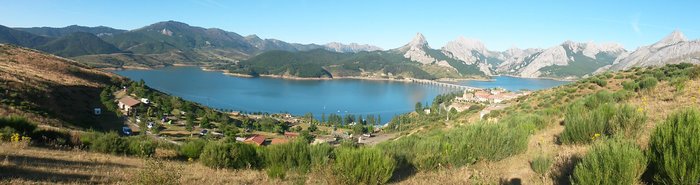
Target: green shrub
x,y
630,85
192,149
292,156
362,166
611,162
227,155
599,82
18,123
110,143
584,125
627,121
674,149
541,164
647,82
321,154
6,133
141,146
679,83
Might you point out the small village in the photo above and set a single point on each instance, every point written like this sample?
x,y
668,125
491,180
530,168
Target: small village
x,y
494,99
171,127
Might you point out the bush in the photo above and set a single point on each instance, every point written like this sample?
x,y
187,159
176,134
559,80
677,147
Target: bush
x,y
226,155
110,143
674,149
585,124
192,149
599,82
541,164
321,154
611,162
627,121
630,85
363,166
647,82
582,125
18,123
141,146
292,156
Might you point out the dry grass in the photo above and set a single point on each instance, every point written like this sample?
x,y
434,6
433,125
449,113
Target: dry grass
x,y
42,166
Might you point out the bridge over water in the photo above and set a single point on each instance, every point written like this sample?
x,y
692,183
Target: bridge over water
x,y
443,84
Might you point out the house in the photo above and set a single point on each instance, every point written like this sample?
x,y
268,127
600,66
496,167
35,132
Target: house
x,y
291,134
275,141
256,139
127,103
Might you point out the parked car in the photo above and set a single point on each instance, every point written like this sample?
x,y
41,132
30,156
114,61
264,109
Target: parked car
x,y
126,131
150,125
204,132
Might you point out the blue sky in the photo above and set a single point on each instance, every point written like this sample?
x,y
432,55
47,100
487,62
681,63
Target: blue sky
x,y
388,24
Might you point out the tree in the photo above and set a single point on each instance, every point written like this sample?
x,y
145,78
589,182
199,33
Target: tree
x,y
189,125
419,108
323,118
312,128
306,136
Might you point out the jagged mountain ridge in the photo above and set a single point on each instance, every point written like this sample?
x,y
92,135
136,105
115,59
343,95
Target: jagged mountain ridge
x,y
674,48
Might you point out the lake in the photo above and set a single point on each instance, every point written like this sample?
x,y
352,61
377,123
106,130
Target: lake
x,y
513,83
275,95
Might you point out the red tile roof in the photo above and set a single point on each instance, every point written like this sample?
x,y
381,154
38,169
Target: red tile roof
x,y
256,139
129,101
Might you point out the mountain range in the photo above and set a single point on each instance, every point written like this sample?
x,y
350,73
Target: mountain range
x,y
170,42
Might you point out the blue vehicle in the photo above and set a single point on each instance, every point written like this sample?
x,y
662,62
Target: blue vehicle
x,y
126,131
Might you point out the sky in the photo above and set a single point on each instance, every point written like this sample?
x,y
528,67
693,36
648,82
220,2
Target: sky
x,y
385,23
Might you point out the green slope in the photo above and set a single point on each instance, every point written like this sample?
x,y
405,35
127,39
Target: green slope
x,y
79,43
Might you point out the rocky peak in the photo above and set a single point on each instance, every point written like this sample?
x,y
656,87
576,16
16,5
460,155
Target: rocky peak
x,y
465,44
418,41
675,37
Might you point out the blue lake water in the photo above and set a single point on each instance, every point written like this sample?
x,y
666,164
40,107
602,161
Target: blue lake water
x,y
513,83
273,95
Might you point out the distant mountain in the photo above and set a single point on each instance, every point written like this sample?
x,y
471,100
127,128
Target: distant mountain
x,y
568,60
350,48
419,51
321,63
674,48
77,44
278,45
21,38
61,32
472,52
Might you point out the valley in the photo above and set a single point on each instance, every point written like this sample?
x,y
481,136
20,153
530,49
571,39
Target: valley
x,y
349,92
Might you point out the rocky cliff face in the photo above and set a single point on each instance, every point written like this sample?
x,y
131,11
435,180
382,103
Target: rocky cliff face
x,y
416,50
672,49
567,60
470,52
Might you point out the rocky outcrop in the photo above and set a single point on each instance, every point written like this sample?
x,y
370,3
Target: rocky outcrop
x,y
416,50
672,49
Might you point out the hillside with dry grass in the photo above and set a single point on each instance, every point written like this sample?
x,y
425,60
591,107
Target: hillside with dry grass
x,y
52,90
